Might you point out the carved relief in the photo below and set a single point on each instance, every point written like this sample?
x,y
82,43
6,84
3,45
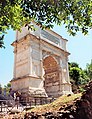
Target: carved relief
x,y
51,77
51,74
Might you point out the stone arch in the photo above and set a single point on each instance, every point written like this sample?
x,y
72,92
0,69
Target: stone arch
x,y
51,75
47,54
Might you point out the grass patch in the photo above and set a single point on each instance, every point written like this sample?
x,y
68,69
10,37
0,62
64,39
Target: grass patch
x,y
57,104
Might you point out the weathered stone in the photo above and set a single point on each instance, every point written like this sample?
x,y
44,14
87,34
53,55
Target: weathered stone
x,y
40,62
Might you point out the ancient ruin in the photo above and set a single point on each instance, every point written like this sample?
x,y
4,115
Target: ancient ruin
x,y
40,63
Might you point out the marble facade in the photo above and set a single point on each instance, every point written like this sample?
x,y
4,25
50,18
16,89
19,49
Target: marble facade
x,y
40,63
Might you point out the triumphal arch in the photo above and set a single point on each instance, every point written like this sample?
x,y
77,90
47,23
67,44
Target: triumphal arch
x,y
40,63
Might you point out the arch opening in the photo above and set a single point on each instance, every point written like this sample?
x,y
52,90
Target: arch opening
x,y
51,76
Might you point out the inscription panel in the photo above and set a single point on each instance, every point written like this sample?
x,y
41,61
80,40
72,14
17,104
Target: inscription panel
x,y
50,37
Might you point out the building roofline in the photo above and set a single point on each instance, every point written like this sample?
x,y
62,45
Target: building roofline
x,y
17,41
51,31
56,34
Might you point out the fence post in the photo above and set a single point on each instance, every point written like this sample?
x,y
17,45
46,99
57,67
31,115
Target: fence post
x,y
40,101
30,103
46,100
26,102
35,101
1,106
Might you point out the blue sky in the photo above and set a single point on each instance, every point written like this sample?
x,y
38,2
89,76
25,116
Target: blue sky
x,y
79,46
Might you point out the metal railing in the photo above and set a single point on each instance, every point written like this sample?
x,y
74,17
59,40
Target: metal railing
x,y
8,105
5,105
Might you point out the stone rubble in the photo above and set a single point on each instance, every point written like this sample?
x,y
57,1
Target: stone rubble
x,y
78,109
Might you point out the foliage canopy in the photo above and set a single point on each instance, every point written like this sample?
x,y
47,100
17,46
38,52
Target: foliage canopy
x,y
89,70
78,76
75,14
